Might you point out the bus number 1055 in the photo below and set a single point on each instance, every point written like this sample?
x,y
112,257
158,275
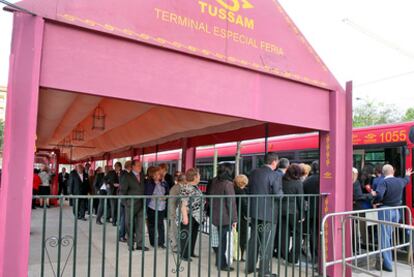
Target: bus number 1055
x,y
393,136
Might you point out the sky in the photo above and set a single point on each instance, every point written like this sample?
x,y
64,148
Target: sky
x,y
369,42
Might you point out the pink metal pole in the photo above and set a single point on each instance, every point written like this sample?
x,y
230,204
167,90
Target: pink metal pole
x,y
336,168
188,156
349,163
19,145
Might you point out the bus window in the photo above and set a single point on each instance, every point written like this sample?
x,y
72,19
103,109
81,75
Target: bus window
x,y
247,165
375,157
411,134
359,159
259,161
173,167
307,156
291,156
205,166
365,160
206,172
395,156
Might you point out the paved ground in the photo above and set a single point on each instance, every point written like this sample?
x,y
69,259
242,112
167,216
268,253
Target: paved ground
x,y
152,263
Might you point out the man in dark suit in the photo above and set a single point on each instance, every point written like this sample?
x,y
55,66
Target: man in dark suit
x,y
282,166
132,183
79,185
63,182
389,194
264,214
311,186
112,180
121,220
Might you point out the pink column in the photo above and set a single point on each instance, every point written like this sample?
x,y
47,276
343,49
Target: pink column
x,y
55,183
336,166
19,145
110,162
188,156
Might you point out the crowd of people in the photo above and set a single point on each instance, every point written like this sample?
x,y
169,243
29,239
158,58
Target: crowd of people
x,y
377,187
187,208
257,220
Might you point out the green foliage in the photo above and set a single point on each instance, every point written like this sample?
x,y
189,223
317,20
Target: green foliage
x,y
370,113
409,115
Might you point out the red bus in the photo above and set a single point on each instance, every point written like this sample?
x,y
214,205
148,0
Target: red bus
x,y
391,143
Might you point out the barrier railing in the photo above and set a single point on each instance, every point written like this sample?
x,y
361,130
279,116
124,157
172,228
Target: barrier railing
x,y
372,241
65,242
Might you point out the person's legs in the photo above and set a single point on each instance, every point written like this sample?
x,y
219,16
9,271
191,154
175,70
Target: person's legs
x,y
242,230
285,239
122,222
62,190
194,233
392,216
87,206
184,241
47,193
386,232
100,211
161,229
74,207
129,224
173,233
221,261
266,237
114,211
41,200
296,242
108,209
34,199
151,225
82,205
139,228
101,207
95,206
276,244
314,238
253,247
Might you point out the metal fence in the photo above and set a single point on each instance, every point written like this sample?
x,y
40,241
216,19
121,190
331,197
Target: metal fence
x,y
367,237
286,242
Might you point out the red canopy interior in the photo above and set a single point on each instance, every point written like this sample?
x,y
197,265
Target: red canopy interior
x,y
133,127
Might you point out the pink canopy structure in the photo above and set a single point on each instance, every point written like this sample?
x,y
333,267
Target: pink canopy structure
x,y
166,75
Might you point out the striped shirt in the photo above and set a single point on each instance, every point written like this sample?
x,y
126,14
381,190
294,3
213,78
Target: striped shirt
x,y
191,196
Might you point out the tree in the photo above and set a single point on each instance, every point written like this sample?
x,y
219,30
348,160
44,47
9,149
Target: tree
x,y
373,113
409,115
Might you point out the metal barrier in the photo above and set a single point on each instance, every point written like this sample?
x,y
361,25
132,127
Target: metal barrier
x,y
64,243
367,236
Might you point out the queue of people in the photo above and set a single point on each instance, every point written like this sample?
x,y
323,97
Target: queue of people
x,y
380,188
258,221
186,208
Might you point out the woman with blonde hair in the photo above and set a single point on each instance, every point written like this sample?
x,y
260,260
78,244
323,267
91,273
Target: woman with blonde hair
x,y
306,169
240,184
